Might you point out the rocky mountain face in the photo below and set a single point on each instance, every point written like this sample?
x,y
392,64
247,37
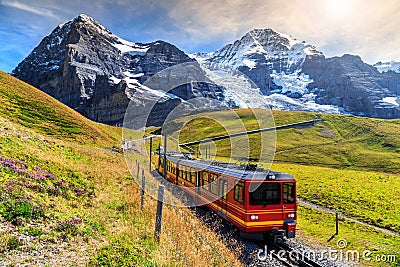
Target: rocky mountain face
x,y
350,83
90,69
261,52
383,67
95,72
294,75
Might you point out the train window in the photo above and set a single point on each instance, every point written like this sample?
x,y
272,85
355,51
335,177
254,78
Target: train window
x,y
187,169
193,176
223,188
288,193
205,180
213,183
180,173
239,192
188,174
264,193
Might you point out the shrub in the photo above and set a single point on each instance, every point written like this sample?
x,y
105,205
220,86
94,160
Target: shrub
x,y
13,243
32,231
69,227
15,207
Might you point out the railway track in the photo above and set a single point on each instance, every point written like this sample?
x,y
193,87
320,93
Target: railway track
x,y
246,250
290,257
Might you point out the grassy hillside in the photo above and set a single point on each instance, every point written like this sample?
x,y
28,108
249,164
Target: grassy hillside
x,y
341,141
346,163
68,200
338,141
65,199
346,159
24,105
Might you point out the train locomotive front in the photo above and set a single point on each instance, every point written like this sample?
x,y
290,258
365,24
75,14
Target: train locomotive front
x,y
261,204
270,205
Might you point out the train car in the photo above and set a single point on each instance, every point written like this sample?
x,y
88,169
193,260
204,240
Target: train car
x,y
261,204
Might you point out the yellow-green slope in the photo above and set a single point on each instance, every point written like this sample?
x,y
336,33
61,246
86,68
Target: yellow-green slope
x,y
67,200
345,163
338,141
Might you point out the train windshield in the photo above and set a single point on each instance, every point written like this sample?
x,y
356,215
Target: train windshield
x,y
265,193
288,193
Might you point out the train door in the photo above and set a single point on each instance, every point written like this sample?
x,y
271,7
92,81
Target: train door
x,y
288,201
222,194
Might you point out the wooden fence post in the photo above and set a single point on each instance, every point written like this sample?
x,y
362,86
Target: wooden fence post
x,y
138,170
337,223
337,227
143,186
157,231
151,150
165,157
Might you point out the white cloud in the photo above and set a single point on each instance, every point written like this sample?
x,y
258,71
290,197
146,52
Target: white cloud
x,y
30,8
368,28
365,27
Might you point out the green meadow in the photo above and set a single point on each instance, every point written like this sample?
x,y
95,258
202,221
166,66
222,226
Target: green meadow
x,y
345,163
67,199
61,183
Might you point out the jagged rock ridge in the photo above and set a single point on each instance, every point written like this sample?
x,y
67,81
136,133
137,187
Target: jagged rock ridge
x,y
294,75
90,69
87,67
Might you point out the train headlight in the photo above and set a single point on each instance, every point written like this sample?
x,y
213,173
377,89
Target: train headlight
x,y
291,215
254,217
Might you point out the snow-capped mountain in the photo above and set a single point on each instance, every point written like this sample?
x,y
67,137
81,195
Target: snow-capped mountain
x,y
267,68
281,52
87,67
263,69
388,66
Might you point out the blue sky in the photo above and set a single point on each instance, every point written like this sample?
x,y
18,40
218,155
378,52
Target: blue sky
x,y
368,28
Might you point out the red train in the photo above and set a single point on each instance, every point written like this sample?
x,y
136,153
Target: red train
x,y
261,204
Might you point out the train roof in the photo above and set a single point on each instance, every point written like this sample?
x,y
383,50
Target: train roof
x,y
238,173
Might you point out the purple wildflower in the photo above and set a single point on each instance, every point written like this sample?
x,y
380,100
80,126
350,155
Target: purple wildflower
x,y
50,176
40,177
74,221
9,187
